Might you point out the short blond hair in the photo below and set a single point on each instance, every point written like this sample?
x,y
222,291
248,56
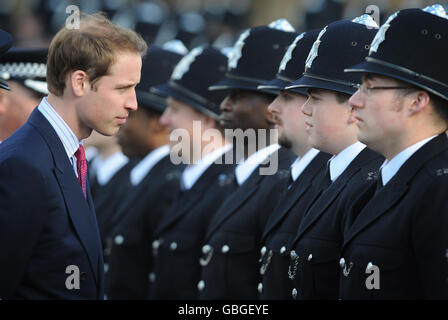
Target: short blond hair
x,y
92,48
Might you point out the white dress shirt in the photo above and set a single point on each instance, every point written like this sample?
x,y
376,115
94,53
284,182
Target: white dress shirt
x,y
340,162
244,169
64,132
105,169
390,168
193,172
300,164
145,165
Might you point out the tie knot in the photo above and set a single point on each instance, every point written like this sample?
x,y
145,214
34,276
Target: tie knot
x,y
80,153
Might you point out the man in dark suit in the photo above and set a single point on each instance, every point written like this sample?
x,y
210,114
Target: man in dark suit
x,y
137,204
316,247
205,182
305,175
397,246
48,232
231,246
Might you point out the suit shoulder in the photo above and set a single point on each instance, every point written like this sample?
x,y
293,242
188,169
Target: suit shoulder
x,y
437,167
25,145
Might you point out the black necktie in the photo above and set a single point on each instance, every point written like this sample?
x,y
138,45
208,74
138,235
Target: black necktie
x,y
379,183
327,177
291,180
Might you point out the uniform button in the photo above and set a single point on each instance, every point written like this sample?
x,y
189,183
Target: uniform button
x,y
294,293
206,249
342,262
83,276
225,248
106,267
155,244
310,257
283,250
369,265
173,245
263,251
119,239
293,255
260,288
152,277
201,285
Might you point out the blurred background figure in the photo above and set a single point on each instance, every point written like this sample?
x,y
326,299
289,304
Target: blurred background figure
x,y
107,165
24,70
195,22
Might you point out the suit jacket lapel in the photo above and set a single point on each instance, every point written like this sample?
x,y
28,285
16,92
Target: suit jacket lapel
x,y
181,207
397,187
299,187
330,194
83,218
234,201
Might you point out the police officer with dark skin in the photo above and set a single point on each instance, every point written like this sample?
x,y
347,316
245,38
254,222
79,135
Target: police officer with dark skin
x,y
315,249
306,171
192,114
231,247
397,246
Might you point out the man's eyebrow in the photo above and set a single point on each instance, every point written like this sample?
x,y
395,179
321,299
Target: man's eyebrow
x,y
125,86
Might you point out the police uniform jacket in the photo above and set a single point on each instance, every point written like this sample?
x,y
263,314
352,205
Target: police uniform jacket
x,y
232,244
180,234
128,259
281,229
316,249
402,232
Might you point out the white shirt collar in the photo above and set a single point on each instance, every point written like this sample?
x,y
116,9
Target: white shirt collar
x,y
64,132
106,168
340,162
145,165
192,173
300,164
390,168
244,169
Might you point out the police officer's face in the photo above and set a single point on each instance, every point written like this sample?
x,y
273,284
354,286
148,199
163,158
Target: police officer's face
x,y
380,113
289,119
180,118
243,109
138,136
327,121
15,107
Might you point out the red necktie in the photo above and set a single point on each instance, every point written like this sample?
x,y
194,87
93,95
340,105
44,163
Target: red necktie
x,y
81,167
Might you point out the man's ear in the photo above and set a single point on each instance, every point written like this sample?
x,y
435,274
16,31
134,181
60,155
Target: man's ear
x,y
420,100
78,80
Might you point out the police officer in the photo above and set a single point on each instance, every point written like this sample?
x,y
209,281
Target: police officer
x,y
305,175
25,72
315,250
397,246
137,203
192,114
231,247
